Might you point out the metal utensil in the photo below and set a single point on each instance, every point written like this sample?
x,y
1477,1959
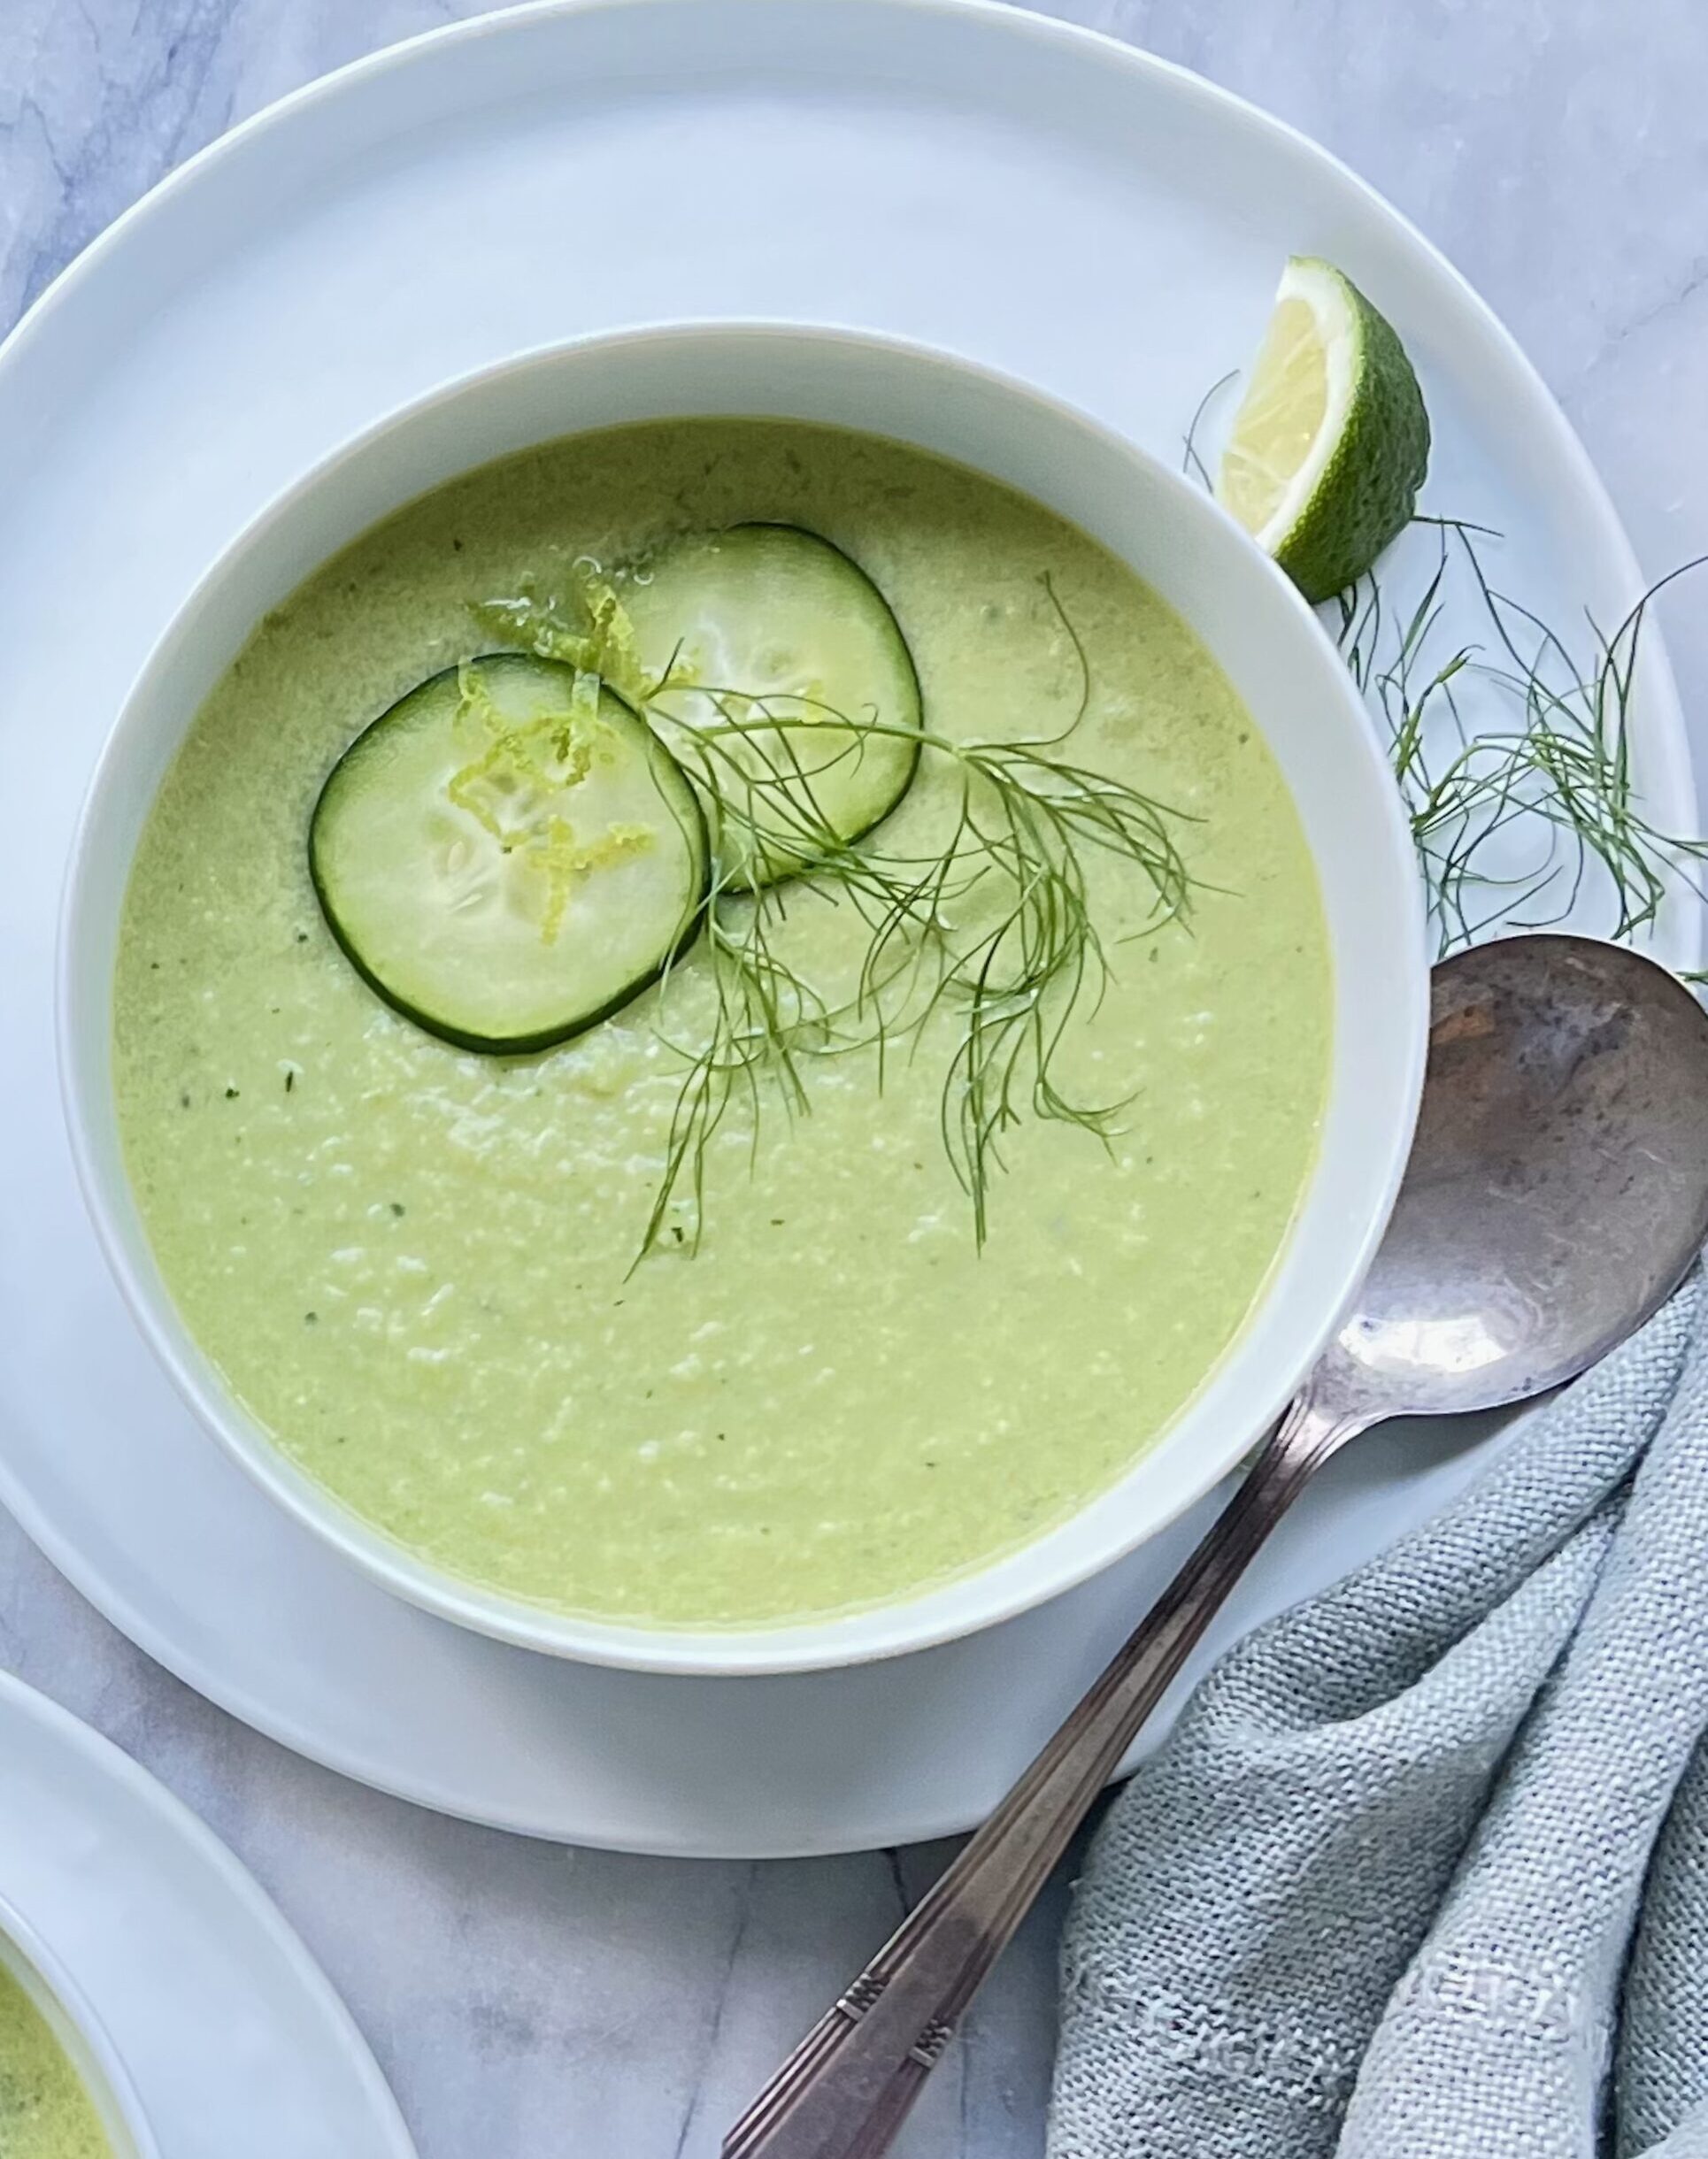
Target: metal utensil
x,y
1556,1194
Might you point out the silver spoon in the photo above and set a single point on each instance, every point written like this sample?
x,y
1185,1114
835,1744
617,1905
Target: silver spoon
x,y
1556,1194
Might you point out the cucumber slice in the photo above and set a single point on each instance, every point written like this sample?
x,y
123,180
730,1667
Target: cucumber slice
x,y
767,632
508,855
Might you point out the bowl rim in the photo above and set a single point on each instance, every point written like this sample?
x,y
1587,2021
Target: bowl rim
x,y
78,2027
866,1633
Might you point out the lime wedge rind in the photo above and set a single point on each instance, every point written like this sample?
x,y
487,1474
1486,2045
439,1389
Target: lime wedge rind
x,y
1331,441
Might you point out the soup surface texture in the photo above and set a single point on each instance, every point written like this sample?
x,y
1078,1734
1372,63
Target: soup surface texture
x,y
416,1264
45,2112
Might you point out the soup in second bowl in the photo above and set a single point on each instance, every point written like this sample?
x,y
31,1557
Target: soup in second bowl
x,y
46,2111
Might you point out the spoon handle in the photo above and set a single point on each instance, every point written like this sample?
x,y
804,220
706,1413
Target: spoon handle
x,y
846,2089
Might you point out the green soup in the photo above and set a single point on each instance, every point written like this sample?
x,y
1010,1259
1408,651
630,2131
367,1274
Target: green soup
x,y
416,1265
45,2112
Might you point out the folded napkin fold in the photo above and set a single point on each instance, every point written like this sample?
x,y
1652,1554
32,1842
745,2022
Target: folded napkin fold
x,y
1422,1872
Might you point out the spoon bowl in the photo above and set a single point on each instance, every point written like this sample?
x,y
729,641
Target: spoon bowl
x,y
1558,1188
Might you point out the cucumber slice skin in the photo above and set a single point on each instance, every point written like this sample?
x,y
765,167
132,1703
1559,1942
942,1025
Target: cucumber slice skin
x,y
787,859
673,783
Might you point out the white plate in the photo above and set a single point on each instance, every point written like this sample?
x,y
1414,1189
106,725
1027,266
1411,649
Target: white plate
x,y
1040,198
234,2040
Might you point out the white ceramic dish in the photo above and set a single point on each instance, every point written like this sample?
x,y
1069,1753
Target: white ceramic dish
x,y
208,2020
222,338
1252,620
83,2037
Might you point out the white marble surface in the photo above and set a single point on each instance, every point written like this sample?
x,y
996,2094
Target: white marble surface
x,y
527,2000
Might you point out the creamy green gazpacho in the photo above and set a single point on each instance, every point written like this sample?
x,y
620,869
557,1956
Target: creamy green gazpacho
x,y
757,1085
45,2111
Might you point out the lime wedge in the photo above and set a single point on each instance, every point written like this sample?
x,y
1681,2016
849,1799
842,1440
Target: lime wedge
x,y
1331,440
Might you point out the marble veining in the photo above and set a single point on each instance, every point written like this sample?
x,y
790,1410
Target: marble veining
x,y
523,1999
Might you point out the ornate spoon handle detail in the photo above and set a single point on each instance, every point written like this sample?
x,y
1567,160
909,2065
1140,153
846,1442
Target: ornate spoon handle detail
x,y
846,2089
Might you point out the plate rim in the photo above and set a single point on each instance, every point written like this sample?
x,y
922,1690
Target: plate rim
x,y
1673,766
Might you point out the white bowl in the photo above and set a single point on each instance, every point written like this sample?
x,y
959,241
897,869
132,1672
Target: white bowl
x,y
1247,613
81,2035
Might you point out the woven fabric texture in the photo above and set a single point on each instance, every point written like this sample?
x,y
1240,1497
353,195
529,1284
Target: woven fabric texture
x,y
1423,1869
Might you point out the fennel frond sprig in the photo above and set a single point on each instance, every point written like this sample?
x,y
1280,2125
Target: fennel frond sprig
x,y
1513,754
987,910
994,920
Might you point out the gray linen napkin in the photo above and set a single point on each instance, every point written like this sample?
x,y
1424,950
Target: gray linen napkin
x,y
1422,1872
